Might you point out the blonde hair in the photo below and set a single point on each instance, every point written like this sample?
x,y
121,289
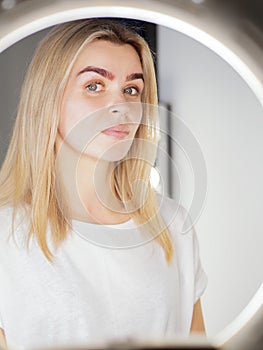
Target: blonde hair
x,y
28,172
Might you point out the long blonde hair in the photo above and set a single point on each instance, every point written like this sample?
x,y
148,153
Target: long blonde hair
x,y
28,172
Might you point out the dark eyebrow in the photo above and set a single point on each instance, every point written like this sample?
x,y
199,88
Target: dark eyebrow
x,y
100,71
135,76
106,74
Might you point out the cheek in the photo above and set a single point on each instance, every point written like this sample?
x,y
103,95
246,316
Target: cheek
x,y
81,121
74,111
137,112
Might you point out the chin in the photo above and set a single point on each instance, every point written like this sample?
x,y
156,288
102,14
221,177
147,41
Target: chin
x,y
116,151
114,156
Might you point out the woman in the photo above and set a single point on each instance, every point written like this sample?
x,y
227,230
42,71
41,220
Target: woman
x,y
94,253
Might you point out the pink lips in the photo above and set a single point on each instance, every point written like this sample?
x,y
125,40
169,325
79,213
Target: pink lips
x,y
120,131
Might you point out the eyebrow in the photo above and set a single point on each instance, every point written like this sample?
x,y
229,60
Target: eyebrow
x,y
135,76
106,74
103,72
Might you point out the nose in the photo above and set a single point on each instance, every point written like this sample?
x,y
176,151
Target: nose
x,y
119,109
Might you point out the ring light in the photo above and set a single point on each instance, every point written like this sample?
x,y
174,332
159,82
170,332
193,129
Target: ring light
x,y
195,19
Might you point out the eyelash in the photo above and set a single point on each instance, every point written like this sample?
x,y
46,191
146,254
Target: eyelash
x,y
138,91
93,83
133,87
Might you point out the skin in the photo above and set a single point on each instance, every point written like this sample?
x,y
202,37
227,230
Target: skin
x,y
2,339
197,325
104,90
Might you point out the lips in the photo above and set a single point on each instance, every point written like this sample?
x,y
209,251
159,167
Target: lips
x,y
120,131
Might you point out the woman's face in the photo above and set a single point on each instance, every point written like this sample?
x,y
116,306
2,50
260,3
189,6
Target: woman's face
x,y
101,106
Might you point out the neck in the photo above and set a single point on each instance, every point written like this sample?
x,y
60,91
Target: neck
x,y
88,187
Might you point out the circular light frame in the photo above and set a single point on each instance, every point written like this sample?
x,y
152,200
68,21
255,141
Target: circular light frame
x,y
201,24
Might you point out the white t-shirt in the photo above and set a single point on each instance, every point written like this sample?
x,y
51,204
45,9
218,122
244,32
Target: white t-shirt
x,y
107,282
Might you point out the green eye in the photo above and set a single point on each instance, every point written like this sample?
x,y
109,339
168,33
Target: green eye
x,y
94,87
131,91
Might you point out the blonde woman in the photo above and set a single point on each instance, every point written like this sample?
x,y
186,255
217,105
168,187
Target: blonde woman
x,y
88,250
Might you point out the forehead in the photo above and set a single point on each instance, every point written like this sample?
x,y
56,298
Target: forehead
x,y
109,55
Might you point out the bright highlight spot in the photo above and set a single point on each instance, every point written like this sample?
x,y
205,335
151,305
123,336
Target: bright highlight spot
x,y
155,178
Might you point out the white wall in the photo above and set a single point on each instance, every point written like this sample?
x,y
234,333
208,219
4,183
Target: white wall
x,y
226,119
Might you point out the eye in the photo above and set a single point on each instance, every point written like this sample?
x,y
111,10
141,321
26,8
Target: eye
x,y
133,91
94,87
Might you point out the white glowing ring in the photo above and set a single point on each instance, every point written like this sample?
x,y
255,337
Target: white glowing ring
x,y
31,16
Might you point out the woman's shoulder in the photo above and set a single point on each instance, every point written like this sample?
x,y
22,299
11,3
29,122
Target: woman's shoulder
x,y
6,216
11,219
173,213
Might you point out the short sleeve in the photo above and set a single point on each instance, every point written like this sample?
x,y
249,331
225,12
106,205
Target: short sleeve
x,y
201,279
199,275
